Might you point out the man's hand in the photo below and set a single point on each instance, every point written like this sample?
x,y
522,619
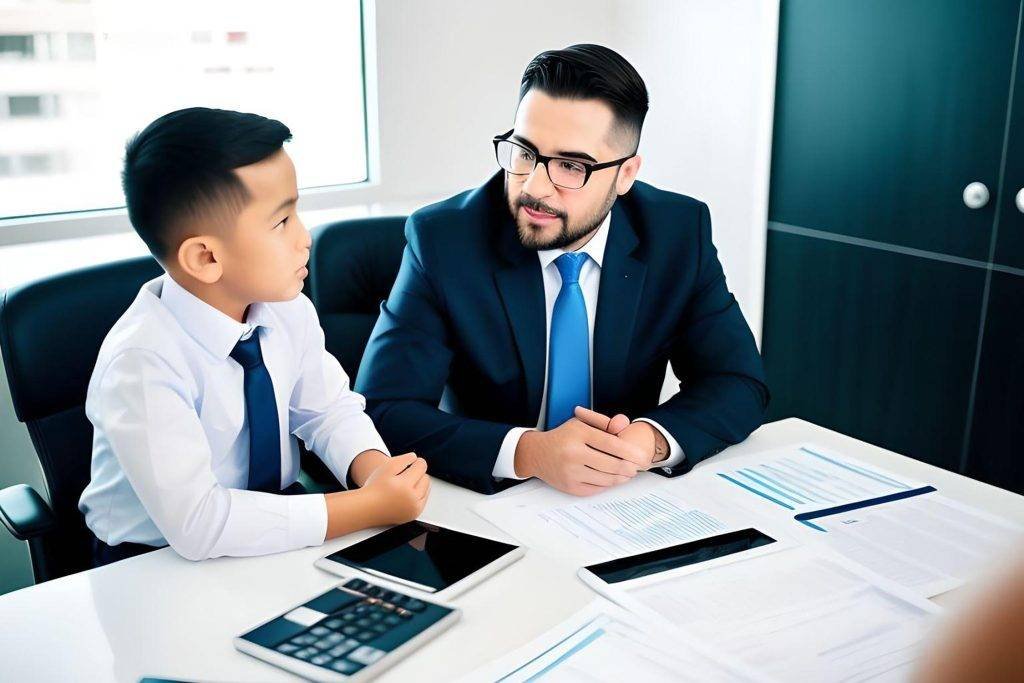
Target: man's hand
x,y
578,458
643,434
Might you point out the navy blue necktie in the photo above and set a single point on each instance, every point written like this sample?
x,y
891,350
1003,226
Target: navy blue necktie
x,y
569,344
261,414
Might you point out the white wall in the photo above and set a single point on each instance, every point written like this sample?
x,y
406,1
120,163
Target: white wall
x,y
448,74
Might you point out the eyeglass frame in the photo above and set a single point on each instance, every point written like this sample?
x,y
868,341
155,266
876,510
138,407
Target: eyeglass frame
x,y
542,159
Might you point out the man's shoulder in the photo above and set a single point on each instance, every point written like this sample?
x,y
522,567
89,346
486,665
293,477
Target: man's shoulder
x,y
650,198
458,217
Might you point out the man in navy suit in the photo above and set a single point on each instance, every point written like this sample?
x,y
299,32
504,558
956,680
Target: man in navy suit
x,y
532,320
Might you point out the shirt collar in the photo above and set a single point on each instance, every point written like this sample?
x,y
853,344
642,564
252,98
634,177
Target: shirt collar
x,y
594,248
213,330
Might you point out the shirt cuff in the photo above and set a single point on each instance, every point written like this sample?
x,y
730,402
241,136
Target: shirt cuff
x,y
505,465
307,519
675,451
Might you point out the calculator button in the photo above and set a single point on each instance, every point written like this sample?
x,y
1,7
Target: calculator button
x,y
398,599
364,622
287,648
388,596
320,660
304,639
350,630
392,620
319,631
334,638
348,616
357,585
346,667
415,605
344,648
379,628
405,614
366,655
374,591
364,636
306,653
324,644
333,623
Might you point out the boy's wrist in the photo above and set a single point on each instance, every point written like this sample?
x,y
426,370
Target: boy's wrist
x,y
364,464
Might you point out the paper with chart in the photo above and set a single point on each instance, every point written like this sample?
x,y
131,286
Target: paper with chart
x,y
639,516
795,479
901,529
795,615
603,643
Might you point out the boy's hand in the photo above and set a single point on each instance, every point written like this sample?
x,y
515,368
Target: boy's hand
x,y
398,488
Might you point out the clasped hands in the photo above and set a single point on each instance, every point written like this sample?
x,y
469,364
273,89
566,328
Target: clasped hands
x,y
589,452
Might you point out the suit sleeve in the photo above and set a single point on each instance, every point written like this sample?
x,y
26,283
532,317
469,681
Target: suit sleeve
x,y
404,372
723,394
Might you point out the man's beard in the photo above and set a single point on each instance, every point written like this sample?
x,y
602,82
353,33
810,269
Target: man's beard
x,y
569,233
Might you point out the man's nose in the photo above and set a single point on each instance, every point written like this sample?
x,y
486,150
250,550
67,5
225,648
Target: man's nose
x,y
538,183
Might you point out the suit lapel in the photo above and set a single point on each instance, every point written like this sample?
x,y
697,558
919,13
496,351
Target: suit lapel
x,y
521,287
622,283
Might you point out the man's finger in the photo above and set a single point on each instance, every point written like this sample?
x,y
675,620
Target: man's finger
x,y
592,418
617,424
601,461
613,445
598,478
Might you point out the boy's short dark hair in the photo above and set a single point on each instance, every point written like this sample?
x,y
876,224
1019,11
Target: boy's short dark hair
x,y
592,72
182,166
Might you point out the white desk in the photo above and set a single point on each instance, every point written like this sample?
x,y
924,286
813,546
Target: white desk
x,y
159,615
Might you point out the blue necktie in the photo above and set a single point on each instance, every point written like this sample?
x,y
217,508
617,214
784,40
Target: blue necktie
x,y
261,414
569,345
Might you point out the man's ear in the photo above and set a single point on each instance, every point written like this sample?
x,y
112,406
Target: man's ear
x,y
627,175
197,257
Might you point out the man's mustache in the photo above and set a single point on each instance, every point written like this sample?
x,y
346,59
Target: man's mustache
x,y
528,202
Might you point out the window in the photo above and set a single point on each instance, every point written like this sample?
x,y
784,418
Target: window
x,y
16,46
126,63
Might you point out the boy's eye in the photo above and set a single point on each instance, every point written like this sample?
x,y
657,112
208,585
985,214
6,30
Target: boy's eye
x,y
281,224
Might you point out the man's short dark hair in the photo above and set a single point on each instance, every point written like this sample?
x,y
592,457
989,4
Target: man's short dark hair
x,y
592,72
182,166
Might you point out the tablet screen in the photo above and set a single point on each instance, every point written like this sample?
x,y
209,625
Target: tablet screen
x,y
673,557
423,553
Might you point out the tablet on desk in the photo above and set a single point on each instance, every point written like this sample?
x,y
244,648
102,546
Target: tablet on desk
x,y
425,557
635,570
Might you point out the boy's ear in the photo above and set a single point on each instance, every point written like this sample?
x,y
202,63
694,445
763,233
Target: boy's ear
x,y
197,258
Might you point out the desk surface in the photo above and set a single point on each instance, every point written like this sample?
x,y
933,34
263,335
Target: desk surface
x,y
159,615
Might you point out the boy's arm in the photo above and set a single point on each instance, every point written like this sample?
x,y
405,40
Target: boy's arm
x,y
328,416
146,414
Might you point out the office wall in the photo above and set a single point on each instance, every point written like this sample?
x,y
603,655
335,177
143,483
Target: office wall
x,y
448,73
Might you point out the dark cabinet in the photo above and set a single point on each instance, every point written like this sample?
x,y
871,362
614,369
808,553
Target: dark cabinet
x,y
894,311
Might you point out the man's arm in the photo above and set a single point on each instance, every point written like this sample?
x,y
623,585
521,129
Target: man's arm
x,y
722,395
404,372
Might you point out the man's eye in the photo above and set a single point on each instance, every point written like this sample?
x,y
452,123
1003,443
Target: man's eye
x,y
525,155
281,224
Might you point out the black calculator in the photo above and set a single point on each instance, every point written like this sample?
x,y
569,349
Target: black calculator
x,y
353,632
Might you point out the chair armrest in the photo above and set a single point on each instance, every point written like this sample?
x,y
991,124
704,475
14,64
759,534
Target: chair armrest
x,y
24,512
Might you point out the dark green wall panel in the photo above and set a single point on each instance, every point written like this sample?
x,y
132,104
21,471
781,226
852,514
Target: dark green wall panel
x,y
871,343
1010,242
885,110
997,432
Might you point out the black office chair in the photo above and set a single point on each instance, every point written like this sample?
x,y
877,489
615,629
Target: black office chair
x,y
50,335
353,264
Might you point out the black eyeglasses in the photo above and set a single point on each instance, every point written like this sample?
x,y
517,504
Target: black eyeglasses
x,y
571,174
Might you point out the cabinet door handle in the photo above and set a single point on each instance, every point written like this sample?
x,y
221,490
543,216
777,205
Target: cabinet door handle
x,y
1020,200
976,195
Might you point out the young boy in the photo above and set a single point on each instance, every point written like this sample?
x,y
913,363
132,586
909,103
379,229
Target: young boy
x,y
201,383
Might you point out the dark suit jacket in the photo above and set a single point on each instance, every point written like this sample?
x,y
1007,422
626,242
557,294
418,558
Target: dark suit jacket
x,y
466,318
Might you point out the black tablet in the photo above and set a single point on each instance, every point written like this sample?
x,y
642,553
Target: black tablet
x,y
425,557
